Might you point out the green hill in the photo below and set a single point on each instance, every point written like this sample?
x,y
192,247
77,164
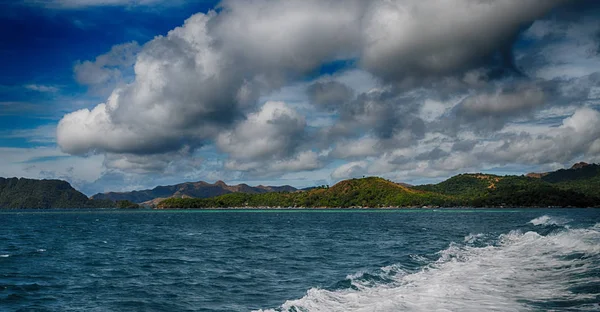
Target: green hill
x,y
464,186
366,192
583,178
578,186
41,194
484,190
473,190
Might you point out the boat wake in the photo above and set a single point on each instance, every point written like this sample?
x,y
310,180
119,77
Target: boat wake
x,y
548,220
517,271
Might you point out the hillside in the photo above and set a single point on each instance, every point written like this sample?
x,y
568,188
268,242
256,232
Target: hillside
x,y
473,190
581,177
43,194
366,192
190,189
483,190
578,186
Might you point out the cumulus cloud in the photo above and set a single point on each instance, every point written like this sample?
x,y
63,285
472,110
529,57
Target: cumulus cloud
x,y
274,132
577,136
106,71
176,162
425,38
207,83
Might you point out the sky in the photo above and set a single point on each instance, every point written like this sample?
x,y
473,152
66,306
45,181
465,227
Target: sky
x,y
117,95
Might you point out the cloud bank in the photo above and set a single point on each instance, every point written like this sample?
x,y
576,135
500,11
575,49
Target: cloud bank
x,y
449,89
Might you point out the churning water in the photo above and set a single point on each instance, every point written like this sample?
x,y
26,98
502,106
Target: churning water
x,y
360,260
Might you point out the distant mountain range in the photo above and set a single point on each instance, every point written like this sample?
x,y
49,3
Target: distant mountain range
x,y
578,186
189,190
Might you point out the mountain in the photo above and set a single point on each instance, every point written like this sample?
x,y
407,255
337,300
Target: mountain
x,y
42,194
578,186
365,192
189,189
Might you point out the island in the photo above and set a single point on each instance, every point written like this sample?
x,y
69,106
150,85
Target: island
x,y
578,186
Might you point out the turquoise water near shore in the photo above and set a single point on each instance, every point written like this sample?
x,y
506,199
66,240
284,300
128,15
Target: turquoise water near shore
x,y
300,260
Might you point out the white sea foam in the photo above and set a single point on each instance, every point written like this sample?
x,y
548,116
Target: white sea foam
x,y
511,275
473,238
548,220
419,258
4,256
41,250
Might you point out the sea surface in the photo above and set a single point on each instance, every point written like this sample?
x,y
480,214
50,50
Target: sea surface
x,y
289,260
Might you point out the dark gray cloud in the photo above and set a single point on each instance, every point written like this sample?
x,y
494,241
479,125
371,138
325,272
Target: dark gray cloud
x,y
463,145
491,111
329,95
382,112
434,154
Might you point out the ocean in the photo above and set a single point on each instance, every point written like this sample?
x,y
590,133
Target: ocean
x,y
300,260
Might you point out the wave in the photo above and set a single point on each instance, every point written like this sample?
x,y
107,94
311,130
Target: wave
x,y
548,220
519,272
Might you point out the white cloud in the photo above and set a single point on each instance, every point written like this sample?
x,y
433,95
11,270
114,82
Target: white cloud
x,y
363,147
42,88
106,71
202,76
273,132
353,169
236,80
305,160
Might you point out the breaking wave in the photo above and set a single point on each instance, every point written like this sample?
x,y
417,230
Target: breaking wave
x,y
548,220
519,271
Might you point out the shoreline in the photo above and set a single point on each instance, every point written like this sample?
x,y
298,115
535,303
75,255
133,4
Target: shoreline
x,y
283,209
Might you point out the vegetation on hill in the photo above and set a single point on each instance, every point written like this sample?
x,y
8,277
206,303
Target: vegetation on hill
x,y
581,178
578,186
584,179
474,190
41,194
484,190
366,192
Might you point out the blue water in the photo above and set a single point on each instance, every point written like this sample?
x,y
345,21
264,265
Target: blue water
x,y
392,260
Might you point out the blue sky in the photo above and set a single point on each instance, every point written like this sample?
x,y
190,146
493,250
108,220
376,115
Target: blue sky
x,y
120,95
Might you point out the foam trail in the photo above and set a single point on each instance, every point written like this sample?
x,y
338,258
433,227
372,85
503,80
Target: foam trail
x,y
520,272
548,220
